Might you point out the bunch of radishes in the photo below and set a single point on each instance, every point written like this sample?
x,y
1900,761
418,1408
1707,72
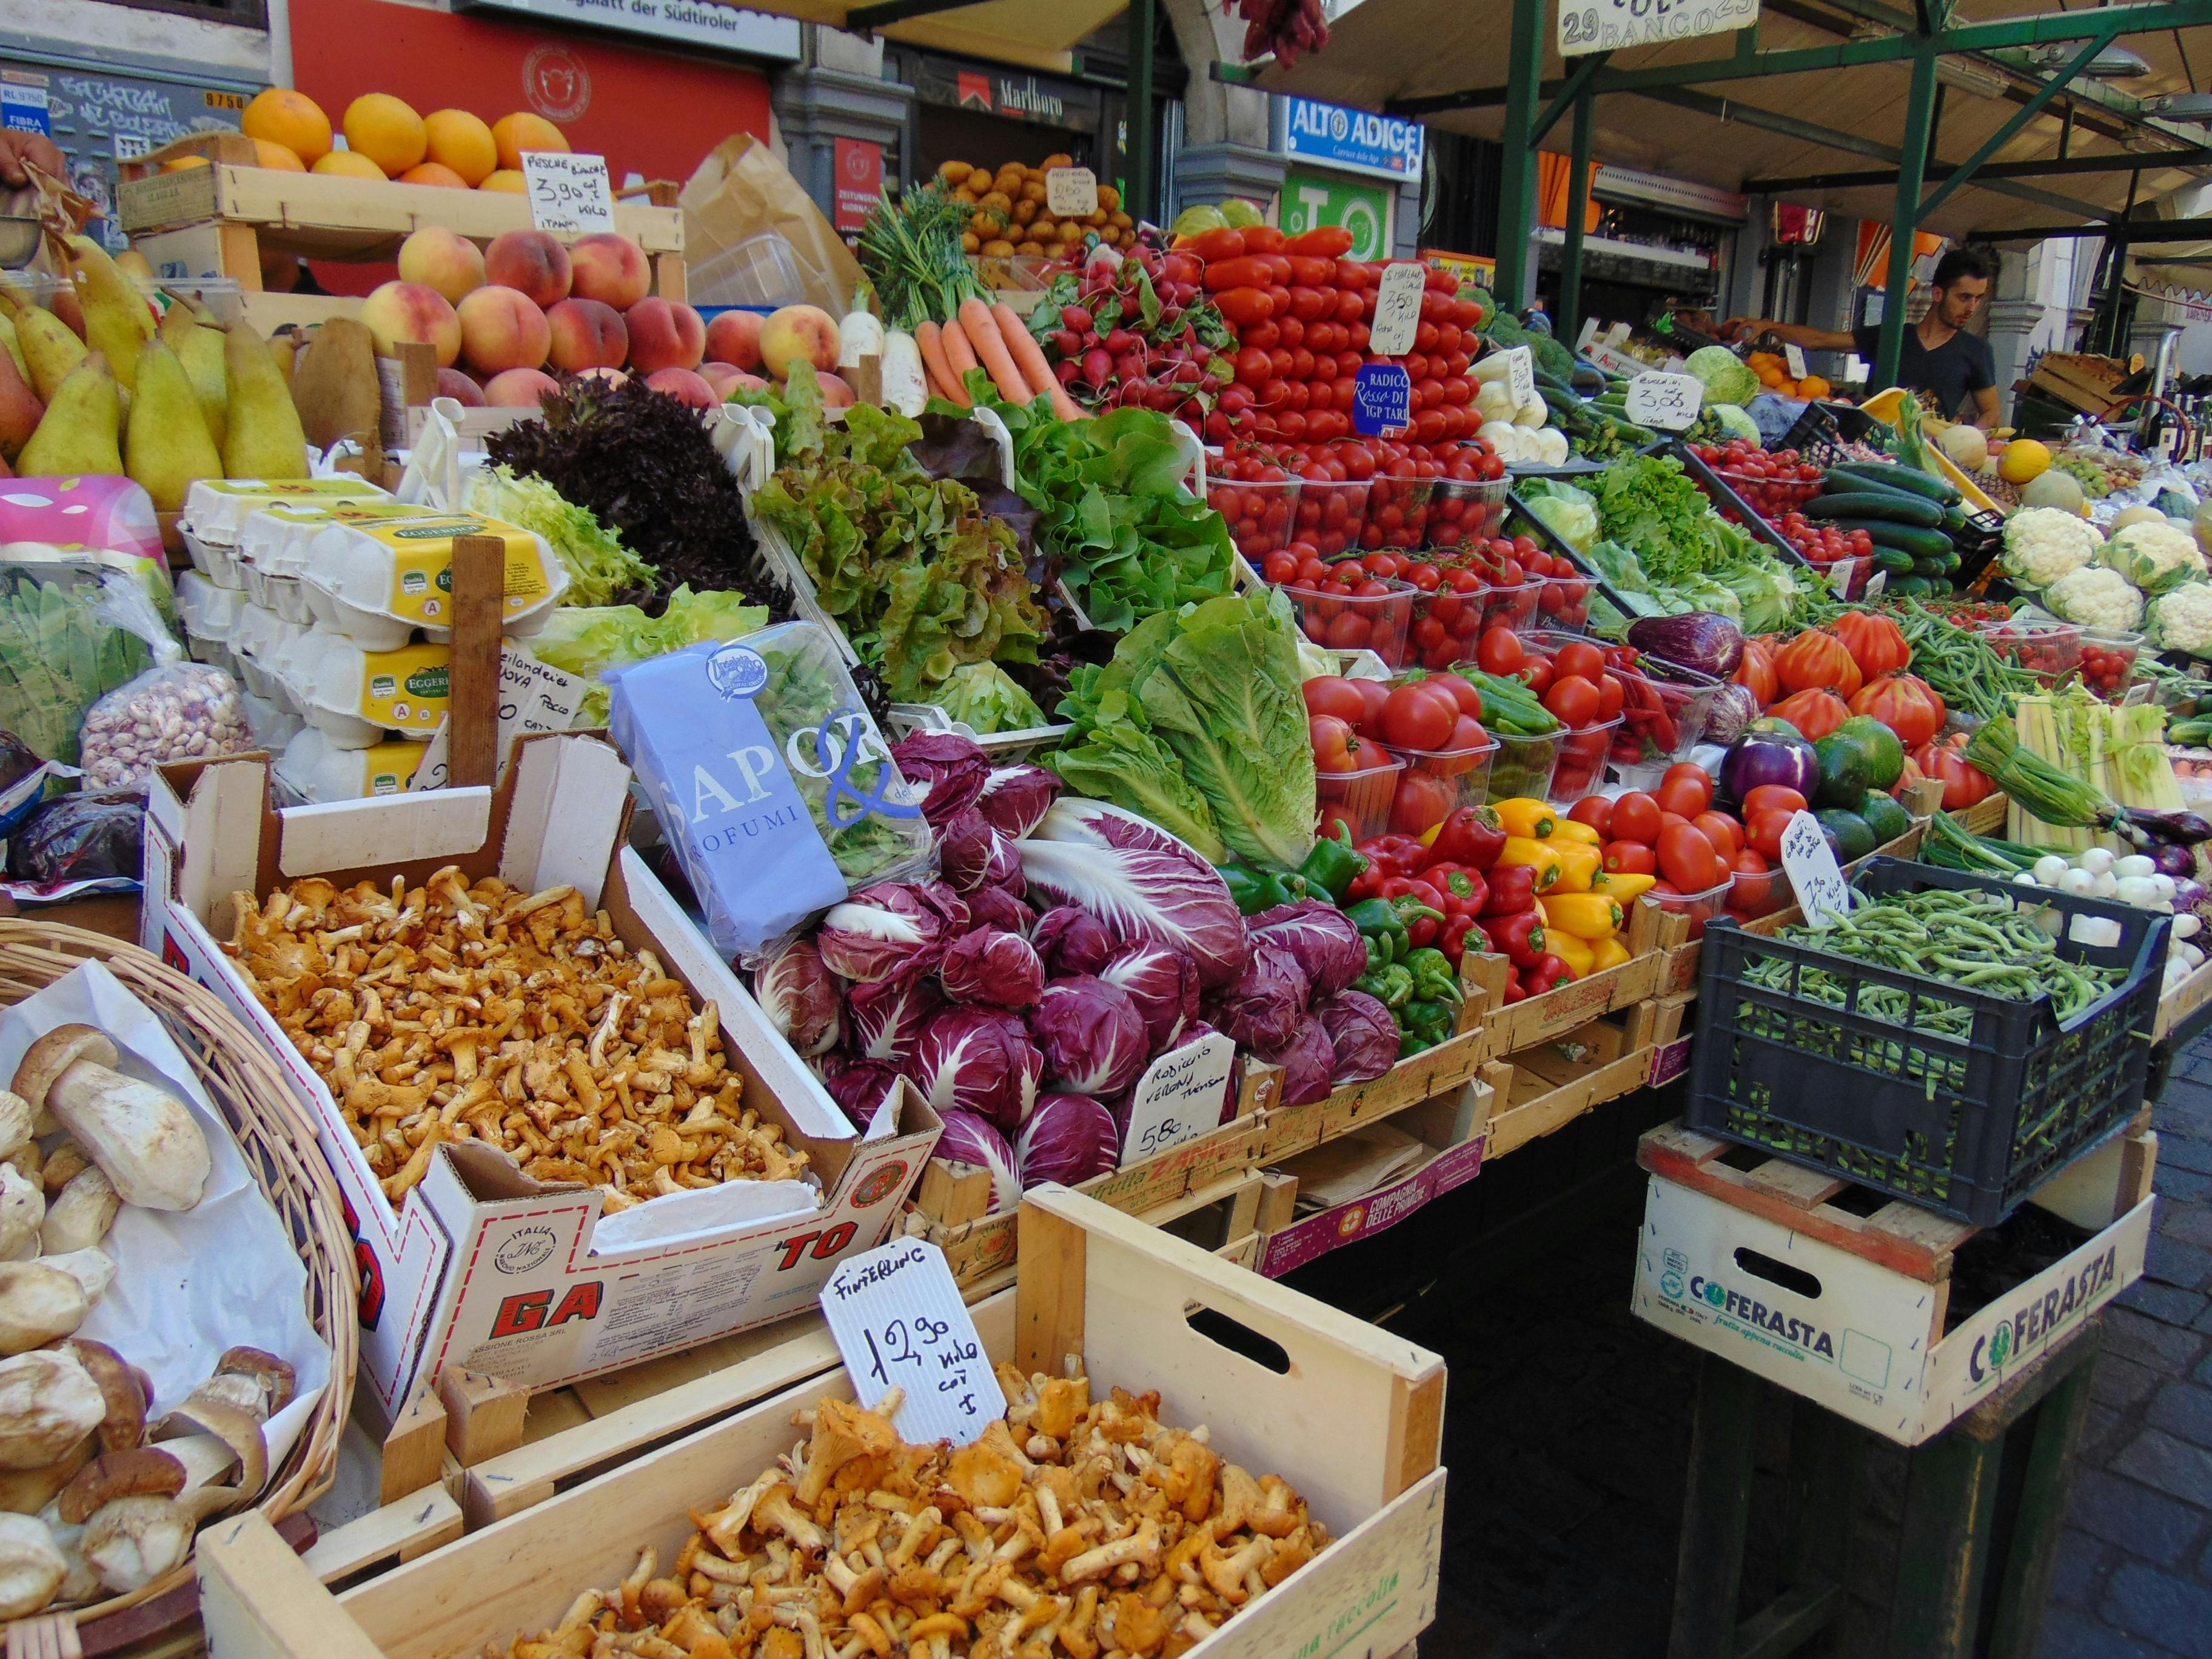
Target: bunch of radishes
x,y
1285,28
1107,353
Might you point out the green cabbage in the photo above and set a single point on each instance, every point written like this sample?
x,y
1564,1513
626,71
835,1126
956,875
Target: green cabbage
x,y
1734,422
1726,380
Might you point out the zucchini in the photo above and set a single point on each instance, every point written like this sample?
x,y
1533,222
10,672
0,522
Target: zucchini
x,y
1918,588
1895,560
1909,538
1886,504
1928,567
1911,480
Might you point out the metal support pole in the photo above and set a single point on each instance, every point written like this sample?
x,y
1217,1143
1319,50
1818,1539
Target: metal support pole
x,y
1911,168
1137,114
1569,308
1517,196
2116,246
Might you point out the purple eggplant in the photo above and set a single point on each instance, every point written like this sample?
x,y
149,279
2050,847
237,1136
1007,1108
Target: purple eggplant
x,y
1702,640
1769,756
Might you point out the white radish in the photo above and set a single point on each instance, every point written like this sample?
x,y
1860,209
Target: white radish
x,y
2134,864
2187,925
2080,883
861,335
2104,885
906,383
2164,882
2136,891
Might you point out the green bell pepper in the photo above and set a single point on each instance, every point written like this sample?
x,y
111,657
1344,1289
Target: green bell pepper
x,y
1252,891
1333,865
1383,928
1434,980
1425,1023
1391,985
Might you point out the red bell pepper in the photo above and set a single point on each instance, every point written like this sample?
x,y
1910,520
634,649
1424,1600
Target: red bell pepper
x,y
1512,890
1547,971
1454,942
1471,836
1387,857
1420,929
1518,937
1463,892
1515,990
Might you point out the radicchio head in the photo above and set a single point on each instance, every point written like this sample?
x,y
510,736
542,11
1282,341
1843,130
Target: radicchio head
x,y
1262,1008
858,1086
954,768
1016,797
1072,941
798,994
991,966
997,907
1309,1063
1093,1036
1328,946
969,1138
1162,980
980,1061
891,927
972,854
885,1020
1068,1139
1362,1033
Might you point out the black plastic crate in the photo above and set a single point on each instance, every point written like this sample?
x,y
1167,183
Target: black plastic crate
x,y
1968,1126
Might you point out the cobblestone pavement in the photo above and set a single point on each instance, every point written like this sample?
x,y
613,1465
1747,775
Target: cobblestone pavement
x,y
2135,1576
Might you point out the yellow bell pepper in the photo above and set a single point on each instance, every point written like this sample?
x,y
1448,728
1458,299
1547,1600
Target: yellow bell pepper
x,y
1590,916
1579,866
1610,953
1575,829
1621,885
1577,953
1520,849
1527,817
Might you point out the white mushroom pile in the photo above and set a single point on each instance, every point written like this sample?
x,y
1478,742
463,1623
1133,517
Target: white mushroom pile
x,y
1074,1527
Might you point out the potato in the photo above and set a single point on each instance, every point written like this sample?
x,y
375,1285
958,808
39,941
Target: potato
x,y
1056,160
970,243
1000,249
1030,247
1110,199
1024,212
1033,190
997,202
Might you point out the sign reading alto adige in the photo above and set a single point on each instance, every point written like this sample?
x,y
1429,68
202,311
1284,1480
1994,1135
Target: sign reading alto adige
x,y
1609,25
1352,140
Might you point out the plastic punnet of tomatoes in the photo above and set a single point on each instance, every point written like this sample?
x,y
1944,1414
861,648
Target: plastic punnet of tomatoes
x,y
1522,767
1332,512
2108,660
1465,511
1364,797
1446,612
1438,780
1756,893
1699,907
1581,766
1261,511
2050,650
1773,493
1367,614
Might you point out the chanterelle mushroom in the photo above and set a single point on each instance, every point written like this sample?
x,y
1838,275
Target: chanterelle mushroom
x,y
843,1432
141,1134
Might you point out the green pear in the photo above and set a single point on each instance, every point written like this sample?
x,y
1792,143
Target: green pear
x,y
20,409
117,318
169,445
200,350
80,432
263,437
50,351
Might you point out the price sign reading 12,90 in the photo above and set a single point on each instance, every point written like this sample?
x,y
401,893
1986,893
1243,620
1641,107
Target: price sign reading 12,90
x,y
1609,25
899,1321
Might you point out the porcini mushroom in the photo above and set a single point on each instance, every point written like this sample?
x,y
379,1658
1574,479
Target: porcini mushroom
x,y
32,1566
91,1267
123,1393
48,1402
140,1133
37,1304
132,1541
140,1472
22,1212
80,1215
15,1119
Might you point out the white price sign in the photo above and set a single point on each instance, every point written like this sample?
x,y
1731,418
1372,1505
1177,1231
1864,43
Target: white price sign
x,y
1793,359
900,1323
1178,1098
570,195
1665,403
1810,864
533,697
1071,192
1521,376
1609,25
1397,309
1589,332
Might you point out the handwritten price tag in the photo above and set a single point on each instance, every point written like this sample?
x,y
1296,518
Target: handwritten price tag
x,y
1665,403
1382,399
1521,376
1179,1098
1397,309
1810,864
1793,359
570,195
1589,332
1071,192
900,1323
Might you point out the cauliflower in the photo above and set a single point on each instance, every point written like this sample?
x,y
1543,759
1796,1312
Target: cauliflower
x,y
2095,597
2155,556
2182,620
2043,543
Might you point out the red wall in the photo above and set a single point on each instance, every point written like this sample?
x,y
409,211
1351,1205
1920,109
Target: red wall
x,y
647,112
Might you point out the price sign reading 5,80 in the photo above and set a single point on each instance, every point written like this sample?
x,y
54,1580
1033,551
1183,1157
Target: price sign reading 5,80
x,y
1610,25
899,1322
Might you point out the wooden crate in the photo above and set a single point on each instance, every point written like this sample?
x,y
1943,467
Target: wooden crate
x,y
1508,1028
1288,1130
1555,1083
2183,1000
1353,1421
215,221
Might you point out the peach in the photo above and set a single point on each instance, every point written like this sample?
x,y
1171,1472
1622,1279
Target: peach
x,y
611,269
587,335
683,386
521,388
502,330
664,336
796,333
436,258
733,337
726,378
412,311
531,262
463,389
836,394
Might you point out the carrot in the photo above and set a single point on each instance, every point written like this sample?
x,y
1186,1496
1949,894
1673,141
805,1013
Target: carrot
x,y
929,339
991,349
960,352
1029,357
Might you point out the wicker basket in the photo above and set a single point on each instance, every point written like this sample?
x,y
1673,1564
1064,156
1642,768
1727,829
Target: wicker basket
x,y
244,1082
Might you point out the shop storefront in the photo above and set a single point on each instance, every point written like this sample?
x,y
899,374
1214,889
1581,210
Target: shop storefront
x,y
1352,168
1654,244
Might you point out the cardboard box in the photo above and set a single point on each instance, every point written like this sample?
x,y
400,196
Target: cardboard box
x,y
480,1266
1351,1416
1866,1340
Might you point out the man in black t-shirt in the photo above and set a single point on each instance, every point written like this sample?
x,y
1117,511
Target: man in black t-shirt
x,y
1952,369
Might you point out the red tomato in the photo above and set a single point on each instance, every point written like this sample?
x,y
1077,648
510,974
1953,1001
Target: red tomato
x,y
1683,795
1499,652
1424,801
1468,699
1688,858
1764,829
1596,810
1467,733
1636,817
1610,697
1572,699
1723,831
1373,694
1580,659
1538,673
1418,716
1749,863
1333,743
1769,796
1630,858
1330,695
1691,772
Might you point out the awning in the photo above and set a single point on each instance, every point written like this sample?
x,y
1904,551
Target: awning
x,y
1036,34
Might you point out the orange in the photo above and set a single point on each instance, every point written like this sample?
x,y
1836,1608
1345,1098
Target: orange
x,y
429,173
348,164
462,141
522,130
385,130
290,118
269,154
508,179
